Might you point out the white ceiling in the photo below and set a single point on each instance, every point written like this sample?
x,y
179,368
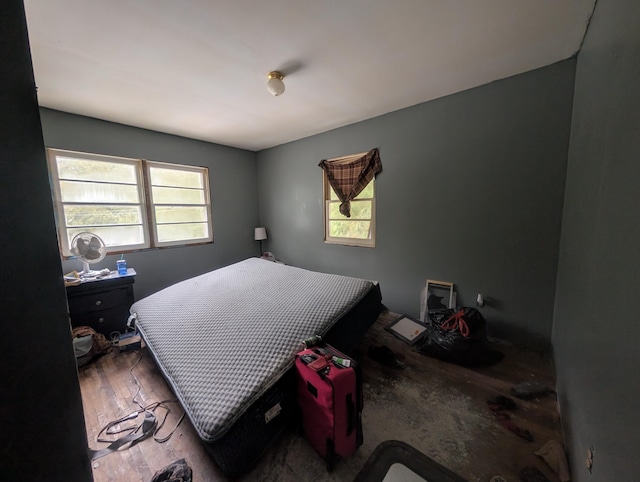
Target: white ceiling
x,y
197,68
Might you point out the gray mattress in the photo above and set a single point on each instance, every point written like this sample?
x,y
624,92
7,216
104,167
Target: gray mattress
x,y
223,338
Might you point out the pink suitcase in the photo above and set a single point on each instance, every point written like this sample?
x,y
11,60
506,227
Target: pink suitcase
x,y
330,399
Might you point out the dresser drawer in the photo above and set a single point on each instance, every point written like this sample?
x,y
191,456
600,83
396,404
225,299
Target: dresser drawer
x,y
101,300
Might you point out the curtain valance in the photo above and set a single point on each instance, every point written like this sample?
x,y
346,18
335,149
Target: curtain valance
x,y
349,175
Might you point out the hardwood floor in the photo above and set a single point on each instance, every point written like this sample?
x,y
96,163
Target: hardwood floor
x,y
108,387
439,408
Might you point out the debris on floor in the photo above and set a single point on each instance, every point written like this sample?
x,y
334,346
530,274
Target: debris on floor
x,y
529,390
498,405
384,355
554,455
501,402
178,471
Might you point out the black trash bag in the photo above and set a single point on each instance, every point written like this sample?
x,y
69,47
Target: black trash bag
x,y
458,336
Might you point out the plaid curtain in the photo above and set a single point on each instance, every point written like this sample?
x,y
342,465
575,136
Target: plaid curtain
x,y
349,175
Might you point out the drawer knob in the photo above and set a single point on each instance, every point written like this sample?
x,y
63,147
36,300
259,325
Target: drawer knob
x,y
100,320
99,302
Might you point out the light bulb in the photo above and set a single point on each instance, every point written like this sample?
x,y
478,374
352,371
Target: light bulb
x,y
275,85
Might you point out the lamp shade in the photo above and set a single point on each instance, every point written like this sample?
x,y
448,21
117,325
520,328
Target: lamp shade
x,y
260,234
275,85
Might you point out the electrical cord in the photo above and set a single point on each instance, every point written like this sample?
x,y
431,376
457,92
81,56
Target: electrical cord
x,y
152,407
138,431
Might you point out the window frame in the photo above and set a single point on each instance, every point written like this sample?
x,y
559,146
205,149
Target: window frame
x,y
147,165
147,208
327,189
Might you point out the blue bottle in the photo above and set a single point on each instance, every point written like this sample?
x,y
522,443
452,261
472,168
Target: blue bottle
x,y
122,267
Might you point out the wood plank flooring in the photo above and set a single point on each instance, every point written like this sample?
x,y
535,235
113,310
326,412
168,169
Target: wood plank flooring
x,y
439,408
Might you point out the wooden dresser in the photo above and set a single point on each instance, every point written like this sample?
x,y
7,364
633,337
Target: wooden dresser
x,y
103,304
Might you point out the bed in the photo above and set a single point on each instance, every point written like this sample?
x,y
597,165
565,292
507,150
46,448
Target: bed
x,y
226,341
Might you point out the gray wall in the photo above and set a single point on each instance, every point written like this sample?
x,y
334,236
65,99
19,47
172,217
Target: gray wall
x,y
471,192
40,403
233,183
595,335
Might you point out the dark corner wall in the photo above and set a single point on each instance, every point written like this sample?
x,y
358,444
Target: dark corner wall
x,y
233,183
40,403
471,191
596,337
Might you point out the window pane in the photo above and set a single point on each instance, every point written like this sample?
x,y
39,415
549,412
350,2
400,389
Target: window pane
x,y
182,232
75,191
177,214
349,229
92,215
113,235
359,210
90,170
172,195
367,192
175,177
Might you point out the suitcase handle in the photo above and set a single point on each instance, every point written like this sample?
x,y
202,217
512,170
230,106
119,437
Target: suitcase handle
x,y
351,411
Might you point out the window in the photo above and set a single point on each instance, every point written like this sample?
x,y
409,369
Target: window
x,y
179,199
130,203
357,230
349,199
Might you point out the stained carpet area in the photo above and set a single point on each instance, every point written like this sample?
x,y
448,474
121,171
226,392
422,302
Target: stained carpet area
x,y
438,408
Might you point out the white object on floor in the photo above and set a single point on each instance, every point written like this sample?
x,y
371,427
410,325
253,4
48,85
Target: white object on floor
x,y
401,473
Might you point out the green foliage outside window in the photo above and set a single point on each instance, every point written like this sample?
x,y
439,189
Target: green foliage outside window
x,y
358,226
108,196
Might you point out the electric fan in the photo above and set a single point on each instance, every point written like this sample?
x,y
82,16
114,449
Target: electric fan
x,y
88,248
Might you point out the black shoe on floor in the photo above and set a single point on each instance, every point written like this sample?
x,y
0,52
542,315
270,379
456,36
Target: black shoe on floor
x,y
383,354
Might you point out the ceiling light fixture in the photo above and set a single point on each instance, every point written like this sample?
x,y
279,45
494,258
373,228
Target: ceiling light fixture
x,y
275,85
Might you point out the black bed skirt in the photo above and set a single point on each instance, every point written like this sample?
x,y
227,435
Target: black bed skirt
x,y
348,331
262,424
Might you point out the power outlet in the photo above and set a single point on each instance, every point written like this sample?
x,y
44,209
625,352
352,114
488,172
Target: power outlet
x,y
589,461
